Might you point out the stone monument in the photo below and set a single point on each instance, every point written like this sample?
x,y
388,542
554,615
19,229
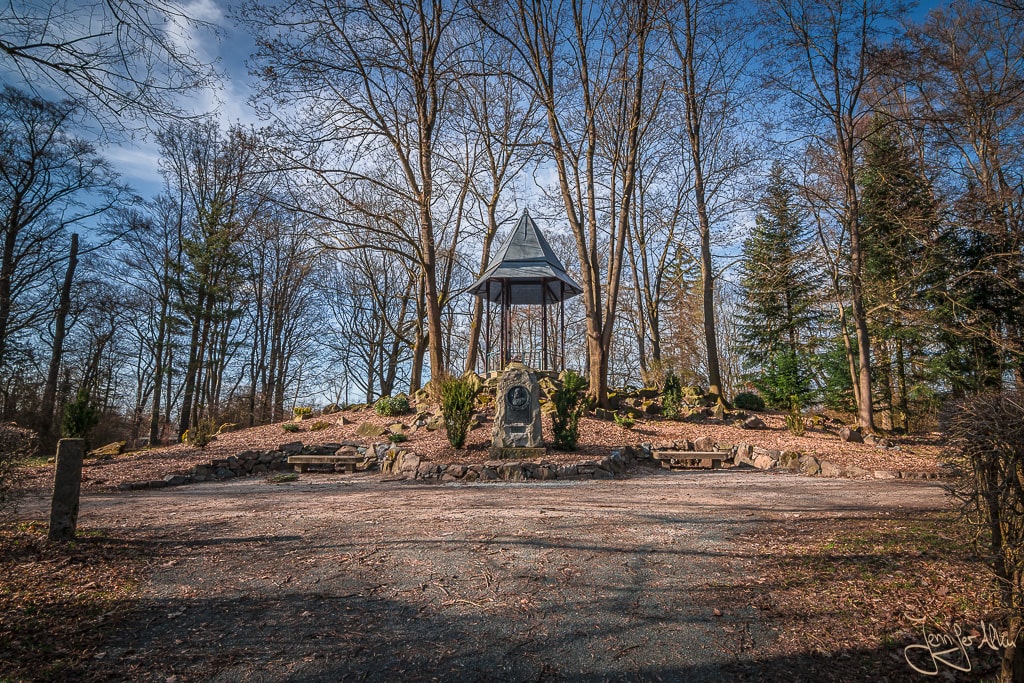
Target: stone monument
x,y
517,428
67,486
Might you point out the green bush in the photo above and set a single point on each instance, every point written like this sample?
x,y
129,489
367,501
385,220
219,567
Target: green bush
x,y
458,396
784,379
80,417
795,420
795,423
624,421
748,400
290,427
203,433
397,438
672,405
570,402
390,406
302,411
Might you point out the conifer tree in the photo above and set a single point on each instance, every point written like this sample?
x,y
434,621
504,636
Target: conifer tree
x,y
777,310
899,221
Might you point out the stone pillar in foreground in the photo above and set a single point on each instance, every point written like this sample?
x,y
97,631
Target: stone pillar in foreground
x,y
67,487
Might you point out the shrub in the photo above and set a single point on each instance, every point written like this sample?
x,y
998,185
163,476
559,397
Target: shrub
x,y
795,423
748,400
318,425
16,446
458,396
397,438
672,405
80,417
624,421
301,411
985,437
390,406
570,402
203,433
290,427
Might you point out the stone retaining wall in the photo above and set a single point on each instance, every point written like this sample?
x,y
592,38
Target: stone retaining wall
x,y
400,463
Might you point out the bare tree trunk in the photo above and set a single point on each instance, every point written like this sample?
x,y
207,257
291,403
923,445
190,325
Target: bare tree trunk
x,y
48,428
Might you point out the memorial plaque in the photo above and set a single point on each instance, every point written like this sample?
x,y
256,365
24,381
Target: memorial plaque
x,y
518,409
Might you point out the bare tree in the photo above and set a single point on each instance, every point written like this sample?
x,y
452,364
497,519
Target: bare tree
x,y
823,62
964,75
711,62
501,122
115,58
372,83
49,181
586,63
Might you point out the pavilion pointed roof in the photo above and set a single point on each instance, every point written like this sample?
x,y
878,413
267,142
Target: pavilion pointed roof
x,y
526,264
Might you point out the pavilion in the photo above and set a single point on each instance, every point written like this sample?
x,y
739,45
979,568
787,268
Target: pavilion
x,y
525,272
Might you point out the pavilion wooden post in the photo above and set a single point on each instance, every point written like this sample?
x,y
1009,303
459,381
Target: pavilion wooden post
x,y
487,333
561,324
544,324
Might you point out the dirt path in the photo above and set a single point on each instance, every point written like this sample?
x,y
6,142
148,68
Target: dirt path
x,y
331,579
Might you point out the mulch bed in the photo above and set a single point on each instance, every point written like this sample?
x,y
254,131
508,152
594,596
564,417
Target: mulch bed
x,y
597,439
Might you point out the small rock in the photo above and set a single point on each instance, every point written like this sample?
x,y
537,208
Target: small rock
x,y
175,479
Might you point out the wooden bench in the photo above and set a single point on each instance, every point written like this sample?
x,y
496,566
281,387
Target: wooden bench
x,y
346,460
706,460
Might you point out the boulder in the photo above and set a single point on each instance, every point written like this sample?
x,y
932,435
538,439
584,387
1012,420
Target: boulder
x,y
754,422
291,448
809,465
704,443
763,461
790,460
851,435
368,429
108,451
830,469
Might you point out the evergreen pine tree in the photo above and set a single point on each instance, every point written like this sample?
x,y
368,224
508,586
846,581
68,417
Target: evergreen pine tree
x,y
898,222
777,309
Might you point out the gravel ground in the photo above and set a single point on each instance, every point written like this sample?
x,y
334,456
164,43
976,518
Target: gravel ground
x,y
334,578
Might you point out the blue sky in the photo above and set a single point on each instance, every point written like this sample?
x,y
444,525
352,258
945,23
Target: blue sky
x,y
137,160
